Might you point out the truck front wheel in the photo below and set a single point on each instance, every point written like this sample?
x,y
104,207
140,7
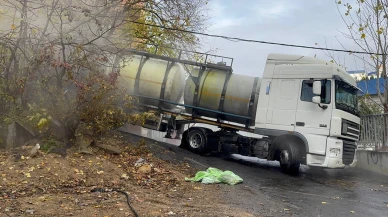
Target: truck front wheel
x,y
289,158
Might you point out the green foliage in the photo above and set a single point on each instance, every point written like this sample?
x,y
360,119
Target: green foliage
x,y
174,14
52,79
367,106
48,145
101,104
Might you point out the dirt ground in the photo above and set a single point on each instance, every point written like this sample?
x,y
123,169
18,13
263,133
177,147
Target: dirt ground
x,y
60,185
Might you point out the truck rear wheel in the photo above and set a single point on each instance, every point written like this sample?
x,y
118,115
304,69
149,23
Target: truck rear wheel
x,y
289,158
196,140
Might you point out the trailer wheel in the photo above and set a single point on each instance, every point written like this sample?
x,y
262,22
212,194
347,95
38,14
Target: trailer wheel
x,y
289,158
184,140
196,141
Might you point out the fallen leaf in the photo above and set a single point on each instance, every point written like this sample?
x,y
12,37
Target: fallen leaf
x,y
197,188
3,175
22,157
76,170
24,182
124,176
144,169
90,161
100,172
28,175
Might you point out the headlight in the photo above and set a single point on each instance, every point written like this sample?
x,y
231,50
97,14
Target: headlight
x,y
335,151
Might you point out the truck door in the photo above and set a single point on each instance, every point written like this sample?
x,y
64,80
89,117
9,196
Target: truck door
x,y
284,99
312,120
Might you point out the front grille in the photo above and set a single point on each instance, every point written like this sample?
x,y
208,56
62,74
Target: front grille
x,y
350,129
348,152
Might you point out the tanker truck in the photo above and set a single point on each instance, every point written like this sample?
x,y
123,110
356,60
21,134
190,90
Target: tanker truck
x,y
302,110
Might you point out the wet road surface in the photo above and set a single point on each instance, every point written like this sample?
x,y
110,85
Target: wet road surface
x,y
266,191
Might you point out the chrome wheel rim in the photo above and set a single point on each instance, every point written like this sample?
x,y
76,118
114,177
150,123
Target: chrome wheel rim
x,y
284,157
195,140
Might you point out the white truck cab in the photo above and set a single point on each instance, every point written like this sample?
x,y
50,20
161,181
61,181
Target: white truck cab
x,y
314,102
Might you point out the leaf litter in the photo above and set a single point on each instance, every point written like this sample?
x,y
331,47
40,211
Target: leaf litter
x,y
53,185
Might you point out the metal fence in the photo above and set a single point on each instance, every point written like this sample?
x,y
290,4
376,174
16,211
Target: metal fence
x,y
374,131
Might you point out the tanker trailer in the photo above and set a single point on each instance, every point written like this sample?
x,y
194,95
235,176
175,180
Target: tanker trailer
x,y
153,78
221,90
213,93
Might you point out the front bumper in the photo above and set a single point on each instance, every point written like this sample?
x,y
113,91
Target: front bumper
x,y
337,163
338,155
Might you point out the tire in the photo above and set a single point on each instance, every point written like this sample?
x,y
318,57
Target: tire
x,y
196,141
289,158
184,140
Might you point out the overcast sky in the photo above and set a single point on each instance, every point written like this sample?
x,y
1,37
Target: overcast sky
x,y
303,22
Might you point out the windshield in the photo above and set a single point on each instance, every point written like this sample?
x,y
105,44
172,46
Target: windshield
x,y
346,97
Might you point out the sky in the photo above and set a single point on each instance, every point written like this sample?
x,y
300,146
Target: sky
x,y
302,22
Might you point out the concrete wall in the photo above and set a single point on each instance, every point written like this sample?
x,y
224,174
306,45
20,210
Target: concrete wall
x,y
373,161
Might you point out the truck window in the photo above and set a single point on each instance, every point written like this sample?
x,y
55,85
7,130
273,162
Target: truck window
x,y
307,91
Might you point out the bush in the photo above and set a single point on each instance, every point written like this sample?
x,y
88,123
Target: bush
x,y
55,106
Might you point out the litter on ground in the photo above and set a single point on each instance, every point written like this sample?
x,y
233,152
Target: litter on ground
x,y
213,175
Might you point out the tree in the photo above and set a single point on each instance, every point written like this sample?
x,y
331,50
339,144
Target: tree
x,y
368,106
367,22
175,14
58,57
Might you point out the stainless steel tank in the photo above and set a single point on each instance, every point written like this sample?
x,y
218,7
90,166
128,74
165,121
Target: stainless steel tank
x,y
153,78
224,91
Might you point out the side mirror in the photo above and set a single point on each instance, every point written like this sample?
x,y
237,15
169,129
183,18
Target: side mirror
x,y
317,99
317,88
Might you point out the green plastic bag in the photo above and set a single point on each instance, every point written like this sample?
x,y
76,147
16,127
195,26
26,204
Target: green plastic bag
x,y
230,178
213,175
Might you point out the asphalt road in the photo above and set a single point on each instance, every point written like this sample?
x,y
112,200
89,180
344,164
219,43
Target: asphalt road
x,y
266,191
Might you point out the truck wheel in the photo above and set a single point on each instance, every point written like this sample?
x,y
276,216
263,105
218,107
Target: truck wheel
x,y
196,140
289,158
184,140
